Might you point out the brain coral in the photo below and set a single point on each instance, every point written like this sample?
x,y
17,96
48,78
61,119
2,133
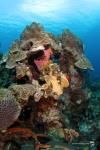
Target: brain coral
x,y
9,109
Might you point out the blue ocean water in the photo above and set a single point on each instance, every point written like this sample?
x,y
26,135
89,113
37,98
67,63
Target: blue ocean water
x,y
80,16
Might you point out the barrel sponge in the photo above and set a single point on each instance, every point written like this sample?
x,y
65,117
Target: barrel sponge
x,y
9,109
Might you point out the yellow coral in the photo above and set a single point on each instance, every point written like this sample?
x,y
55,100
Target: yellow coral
x,y
56,87
64,81
56,81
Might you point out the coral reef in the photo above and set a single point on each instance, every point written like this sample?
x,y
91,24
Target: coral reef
x,y
46,91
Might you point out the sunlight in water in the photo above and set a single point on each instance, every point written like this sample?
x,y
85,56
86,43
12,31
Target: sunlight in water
x,y
58,8
43,7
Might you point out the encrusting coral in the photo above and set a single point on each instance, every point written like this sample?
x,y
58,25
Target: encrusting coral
x,y
47,69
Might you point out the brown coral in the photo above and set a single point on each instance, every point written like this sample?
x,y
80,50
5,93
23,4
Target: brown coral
x,y
76,78
15,57
23,70
71,43
84,63
36,34
74,46
23,92
46,114
9,109
78,100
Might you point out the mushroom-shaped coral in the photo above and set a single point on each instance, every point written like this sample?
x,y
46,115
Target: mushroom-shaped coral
x,y
9,109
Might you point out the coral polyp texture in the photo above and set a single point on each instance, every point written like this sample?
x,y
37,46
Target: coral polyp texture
x,y
9,109
47,81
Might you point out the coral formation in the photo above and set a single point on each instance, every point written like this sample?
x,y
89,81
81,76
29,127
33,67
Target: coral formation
x,y
47,84
56,81
9,109
75,47
23,92
83,63
15,55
